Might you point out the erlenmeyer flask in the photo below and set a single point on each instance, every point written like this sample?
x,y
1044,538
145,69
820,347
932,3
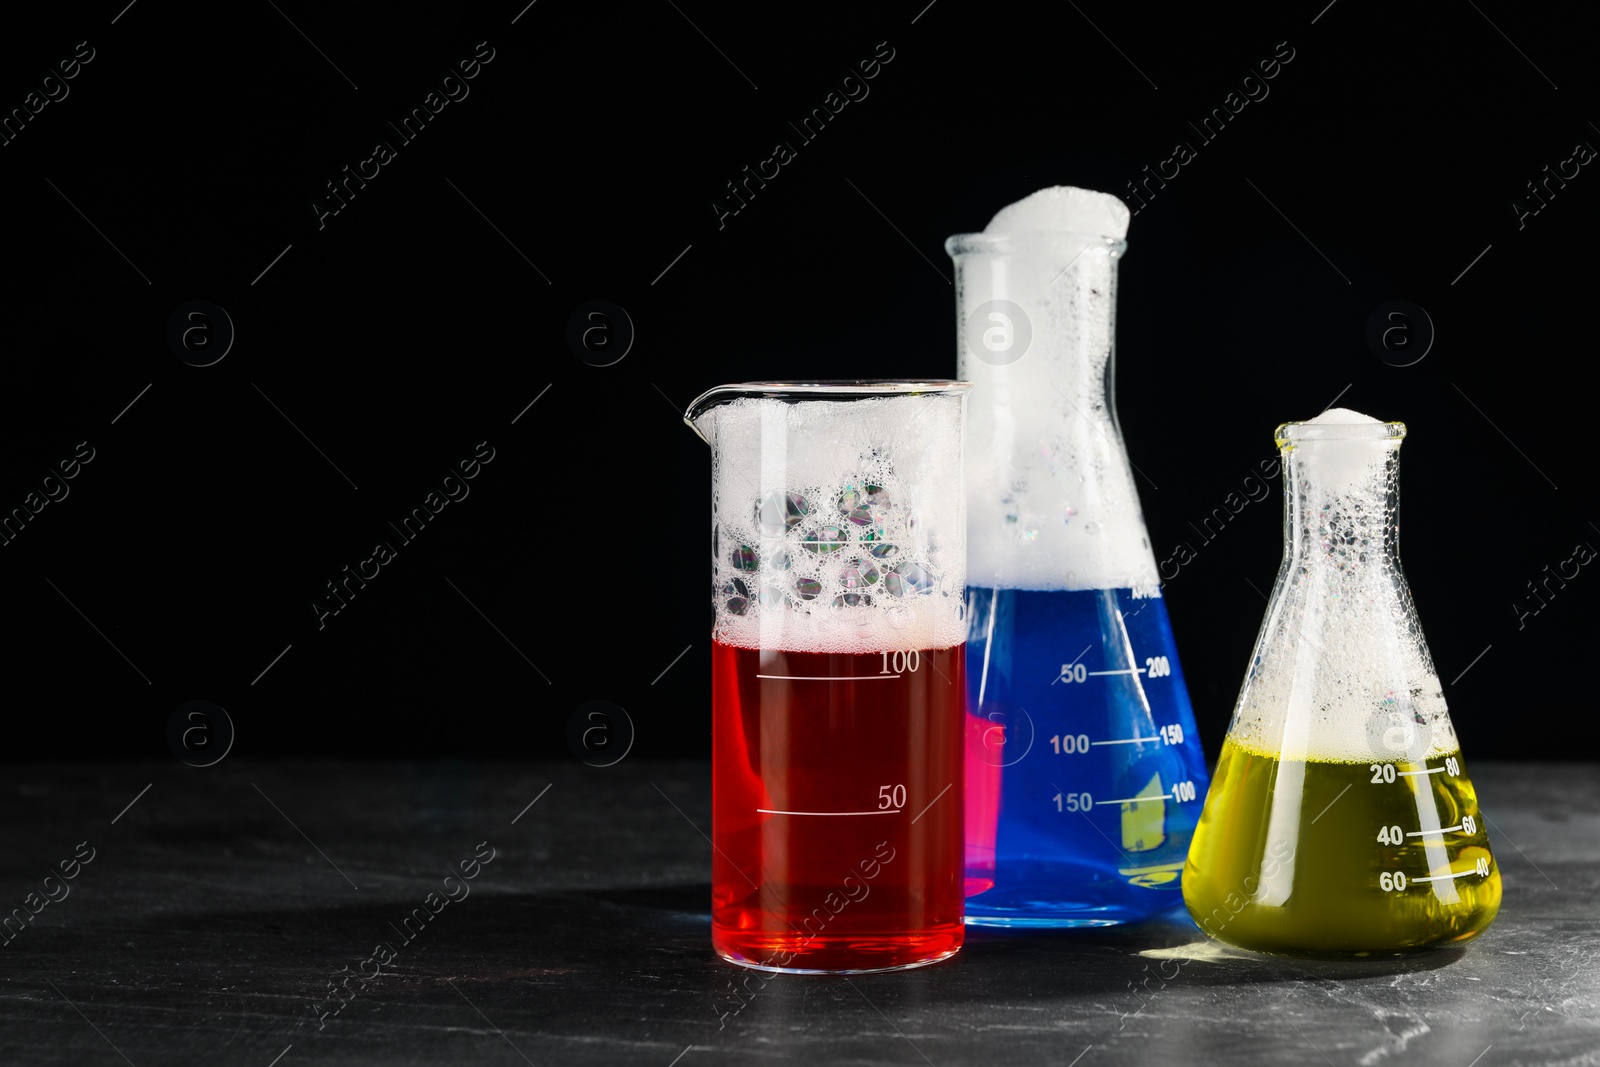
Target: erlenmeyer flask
x,y
1084,773
1342,820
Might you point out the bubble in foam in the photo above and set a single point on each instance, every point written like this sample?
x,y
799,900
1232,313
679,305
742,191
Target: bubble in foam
x,y
780,512
863,504
858,575
825,540
745,558
909,579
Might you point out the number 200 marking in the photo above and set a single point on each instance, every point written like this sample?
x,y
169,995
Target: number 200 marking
x,y
901,662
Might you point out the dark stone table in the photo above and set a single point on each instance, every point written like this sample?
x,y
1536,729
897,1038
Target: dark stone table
x,y
213,912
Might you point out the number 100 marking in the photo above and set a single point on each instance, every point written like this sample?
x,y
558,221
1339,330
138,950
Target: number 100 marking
x,y
901,662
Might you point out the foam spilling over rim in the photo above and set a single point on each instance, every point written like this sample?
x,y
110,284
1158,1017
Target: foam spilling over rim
x,y
1063,209
1053,505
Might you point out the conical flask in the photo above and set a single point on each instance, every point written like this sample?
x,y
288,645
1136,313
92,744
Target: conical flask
x,y
1342,820
1084,772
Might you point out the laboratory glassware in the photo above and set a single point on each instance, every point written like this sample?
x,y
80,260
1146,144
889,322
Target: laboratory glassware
x,y
1342,820
1084,772
838,532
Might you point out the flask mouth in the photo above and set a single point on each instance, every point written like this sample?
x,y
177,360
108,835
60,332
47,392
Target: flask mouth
x,y
825,389
1292,434
1000,244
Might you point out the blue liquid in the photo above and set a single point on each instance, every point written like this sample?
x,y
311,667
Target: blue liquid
x,y
1085,777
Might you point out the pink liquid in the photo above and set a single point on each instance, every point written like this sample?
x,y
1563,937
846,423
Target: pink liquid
x,y
825,890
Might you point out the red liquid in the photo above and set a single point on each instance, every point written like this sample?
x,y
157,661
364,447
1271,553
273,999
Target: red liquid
x,y
831,891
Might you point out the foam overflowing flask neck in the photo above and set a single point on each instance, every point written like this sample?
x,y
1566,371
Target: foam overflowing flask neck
x,y
1053,499
1083,765
1343,498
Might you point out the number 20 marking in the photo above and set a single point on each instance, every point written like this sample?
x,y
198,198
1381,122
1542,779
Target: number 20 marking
x,y
1382,772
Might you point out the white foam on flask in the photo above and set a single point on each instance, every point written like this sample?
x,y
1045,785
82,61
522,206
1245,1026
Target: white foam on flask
x,y
839,524
1050,488
1341,671
1344,467
1065,209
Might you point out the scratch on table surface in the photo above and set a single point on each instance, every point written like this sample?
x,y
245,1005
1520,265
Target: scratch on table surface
x,y
1395,1042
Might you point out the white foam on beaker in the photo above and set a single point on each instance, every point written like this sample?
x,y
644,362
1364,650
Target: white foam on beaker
x,y
866,556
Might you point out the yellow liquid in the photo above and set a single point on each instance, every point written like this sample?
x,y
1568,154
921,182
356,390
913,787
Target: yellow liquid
x,y
1332,866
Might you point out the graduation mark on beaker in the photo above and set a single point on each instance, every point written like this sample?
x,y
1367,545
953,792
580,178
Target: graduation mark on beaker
x,y
830,678
891,801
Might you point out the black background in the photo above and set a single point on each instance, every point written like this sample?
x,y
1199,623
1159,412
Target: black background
x,y
414,324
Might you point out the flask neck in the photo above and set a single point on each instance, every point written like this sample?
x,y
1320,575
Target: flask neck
x,y
1342,507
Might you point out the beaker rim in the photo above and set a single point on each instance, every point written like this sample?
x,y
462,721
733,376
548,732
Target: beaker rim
x,y
1000,243
818,389
1299,433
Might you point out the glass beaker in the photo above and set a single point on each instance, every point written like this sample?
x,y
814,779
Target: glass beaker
x,y
839,564
1342,820
1084,771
